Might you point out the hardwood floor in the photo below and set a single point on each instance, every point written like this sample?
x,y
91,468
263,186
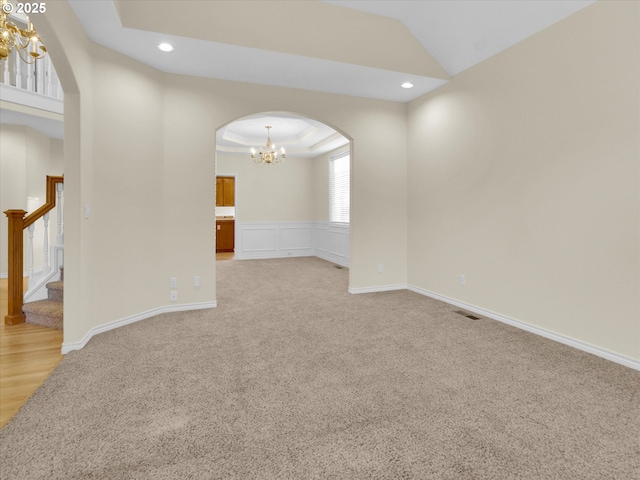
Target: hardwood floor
x,y
28,355
224,256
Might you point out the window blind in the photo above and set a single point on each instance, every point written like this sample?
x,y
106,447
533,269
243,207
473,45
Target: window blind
x,y
339,186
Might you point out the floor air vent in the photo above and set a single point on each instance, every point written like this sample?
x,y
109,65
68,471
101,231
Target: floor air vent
x,y
466,314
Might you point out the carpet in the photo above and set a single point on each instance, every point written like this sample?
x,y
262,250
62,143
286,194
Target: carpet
x,y
291,377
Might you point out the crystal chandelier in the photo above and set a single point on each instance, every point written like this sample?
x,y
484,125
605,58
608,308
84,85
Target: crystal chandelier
x,y
26,42
271,155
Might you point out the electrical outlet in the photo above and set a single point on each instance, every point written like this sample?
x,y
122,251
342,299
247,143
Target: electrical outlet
x,y
174,295
462,279
196,281
174,282
380,268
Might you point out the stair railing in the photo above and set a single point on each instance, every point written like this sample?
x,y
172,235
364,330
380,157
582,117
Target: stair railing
x,y
17,222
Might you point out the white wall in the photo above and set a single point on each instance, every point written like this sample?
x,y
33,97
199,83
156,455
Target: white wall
x,y
524,176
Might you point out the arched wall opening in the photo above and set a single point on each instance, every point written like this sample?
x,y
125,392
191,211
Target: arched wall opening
x,y
282,210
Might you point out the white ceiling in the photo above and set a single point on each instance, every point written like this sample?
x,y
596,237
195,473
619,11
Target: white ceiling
x,y
299,136
456,34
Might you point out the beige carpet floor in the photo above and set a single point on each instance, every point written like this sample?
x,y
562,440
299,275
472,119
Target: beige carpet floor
x,y
293,378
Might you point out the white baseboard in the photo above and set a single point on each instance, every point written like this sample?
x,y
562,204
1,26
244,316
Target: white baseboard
x,y
268,255
381,288
585,347
332,257
70,346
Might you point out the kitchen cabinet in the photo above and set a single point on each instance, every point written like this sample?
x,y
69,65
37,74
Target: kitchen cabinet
x,y
225,191
225,235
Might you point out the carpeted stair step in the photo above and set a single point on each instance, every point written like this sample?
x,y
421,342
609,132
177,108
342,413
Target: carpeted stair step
x,y
55,291
47,313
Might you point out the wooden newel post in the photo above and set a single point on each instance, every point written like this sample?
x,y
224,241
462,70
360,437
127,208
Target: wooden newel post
x,y
16,271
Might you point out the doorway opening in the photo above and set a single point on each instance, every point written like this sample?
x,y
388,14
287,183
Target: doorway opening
x,y
283,209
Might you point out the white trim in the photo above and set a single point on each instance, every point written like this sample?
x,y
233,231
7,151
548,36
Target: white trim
x,y
340,154
381,288
261,240
332,257
38,282
20,96
331,242
572,342
70,346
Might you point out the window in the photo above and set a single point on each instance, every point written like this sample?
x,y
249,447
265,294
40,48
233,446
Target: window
x,y
339,180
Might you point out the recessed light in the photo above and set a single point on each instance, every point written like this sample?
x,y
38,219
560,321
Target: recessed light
x,y
407,85
166,47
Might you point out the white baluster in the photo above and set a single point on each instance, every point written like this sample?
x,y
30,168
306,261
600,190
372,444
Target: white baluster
x,y
7,75
59,189
18,70
30,76
45,261
48,89
30,230
39,71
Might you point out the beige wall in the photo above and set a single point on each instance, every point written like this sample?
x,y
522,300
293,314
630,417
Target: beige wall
x,y
281,193
195,108
295,191
26,158
524,176
139,149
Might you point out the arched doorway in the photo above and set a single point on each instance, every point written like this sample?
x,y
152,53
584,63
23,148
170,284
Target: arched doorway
x,y
283,210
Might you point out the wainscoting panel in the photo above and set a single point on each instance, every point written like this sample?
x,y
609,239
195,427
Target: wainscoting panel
x,y
332,242
292,239
296,237
256,239
274,239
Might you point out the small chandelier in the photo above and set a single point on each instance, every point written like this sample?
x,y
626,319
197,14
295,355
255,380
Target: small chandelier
x,y
271,155
26,42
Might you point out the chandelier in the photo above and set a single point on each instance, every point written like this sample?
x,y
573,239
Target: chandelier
x,y
271,155
26,42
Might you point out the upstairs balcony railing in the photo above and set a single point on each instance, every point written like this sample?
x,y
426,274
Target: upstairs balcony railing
x,y
39,77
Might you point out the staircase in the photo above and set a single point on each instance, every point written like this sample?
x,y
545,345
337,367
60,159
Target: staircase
x,y
47,313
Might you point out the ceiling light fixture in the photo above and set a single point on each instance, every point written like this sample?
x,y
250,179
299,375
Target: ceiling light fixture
x,y
407,85
271,155
166,47
26,42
